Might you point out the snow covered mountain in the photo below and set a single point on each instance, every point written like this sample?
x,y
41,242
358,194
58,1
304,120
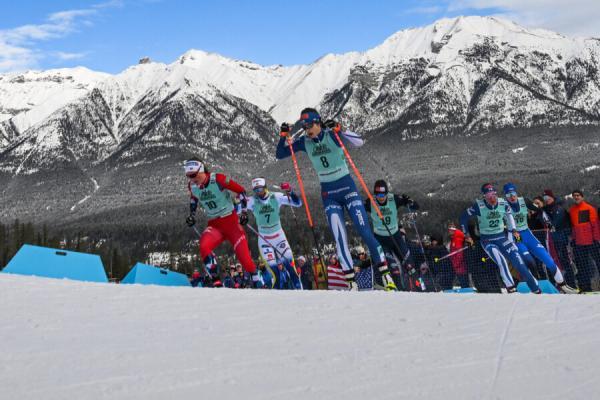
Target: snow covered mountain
x,y
457,76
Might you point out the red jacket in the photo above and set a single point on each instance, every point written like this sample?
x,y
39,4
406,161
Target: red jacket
x,y
584,221
457,242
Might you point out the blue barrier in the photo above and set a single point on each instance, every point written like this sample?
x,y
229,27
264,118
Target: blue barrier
x,y
145,274
545,285
56,263
461,290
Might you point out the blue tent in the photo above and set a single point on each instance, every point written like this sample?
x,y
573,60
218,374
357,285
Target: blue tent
x,y
145,274
55,263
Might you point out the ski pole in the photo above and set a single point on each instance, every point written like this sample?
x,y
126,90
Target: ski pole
x,y
414,224
366,190
451,254
280,256
309,254
306,207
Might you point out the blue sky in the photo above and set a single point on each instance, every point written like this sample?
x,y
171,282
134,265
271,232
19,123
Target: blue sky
x,y
112,35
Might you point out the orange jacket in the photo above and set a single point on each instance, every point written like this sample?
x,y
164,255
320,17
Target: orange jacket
x,y
584,221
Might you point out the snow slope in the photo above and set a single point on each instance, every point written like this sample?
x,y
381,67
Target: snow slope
x,y
73,340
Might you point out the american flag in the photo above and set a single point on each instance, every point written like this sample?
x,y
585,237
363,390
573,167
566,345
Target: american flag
x,y
335,278
364,279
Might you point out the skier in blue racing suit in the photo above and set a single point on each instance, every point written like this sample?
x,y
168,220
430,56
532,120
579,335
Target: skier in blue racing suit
x,y
338,190
491,213
528,245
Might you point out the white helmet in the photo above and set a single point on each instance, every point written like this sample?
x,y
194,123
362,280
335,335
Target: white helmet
x,y
259,183
193,167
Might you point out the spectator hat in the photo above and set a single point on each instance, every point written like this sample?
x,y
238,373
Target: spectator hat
x,y
549,193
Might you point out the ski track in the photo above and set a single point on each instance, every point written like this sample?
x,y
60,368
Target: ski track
x,y
87,197
500,354
102,341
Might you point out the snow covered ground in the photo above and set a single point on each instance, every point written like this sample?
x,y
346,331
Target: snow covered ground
x,y
74,340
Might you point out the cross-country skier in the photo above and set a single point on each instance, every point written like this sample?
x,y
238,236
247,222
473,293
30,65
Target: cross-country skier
x,y
389,232
212,192
273,245
338,190
528,245
491,213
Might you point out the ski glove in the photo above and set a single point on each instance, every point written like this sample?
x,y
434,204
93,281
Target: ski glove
x,y
190,220
286,187
243,218
284,130
333,125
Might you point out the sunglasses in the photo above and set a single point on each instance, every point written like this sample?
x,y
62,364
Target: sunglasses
x,y
380,194
307,125
258,189
192,175
510,194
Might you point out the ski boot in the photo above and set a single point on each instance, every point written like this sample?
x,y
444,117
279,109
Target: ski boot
x,y
390,286
386,277
566,289
511,289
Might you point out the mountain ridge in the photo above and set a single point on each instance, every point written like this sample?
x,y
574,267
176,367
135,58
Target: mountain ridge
x,y
113,135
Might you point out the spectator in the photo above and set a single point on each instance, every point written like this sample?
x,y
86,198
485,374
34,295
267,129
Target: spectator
x,y
586,235
538,223
196,278
335,275
363,271
486,278
265,274
442,272
535,218
560,231
307,274
459,263
283,280
243,279
230,278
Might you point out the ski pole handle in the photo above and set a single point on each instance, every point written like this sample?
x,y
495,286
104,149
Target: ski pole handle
x,y
451,254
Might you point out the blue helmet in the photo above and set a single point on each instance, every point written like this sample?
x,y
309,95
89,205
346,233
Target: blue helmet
x,y
309,116
509,187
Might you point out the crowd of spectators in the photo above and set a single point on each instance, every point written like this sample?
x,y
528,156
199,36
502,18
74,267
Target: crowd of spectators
x,y
571,234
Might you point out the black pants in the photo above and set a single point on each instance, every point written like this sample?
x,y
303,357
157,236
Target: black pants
x,y
586,268
388,245
561,243
485,274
